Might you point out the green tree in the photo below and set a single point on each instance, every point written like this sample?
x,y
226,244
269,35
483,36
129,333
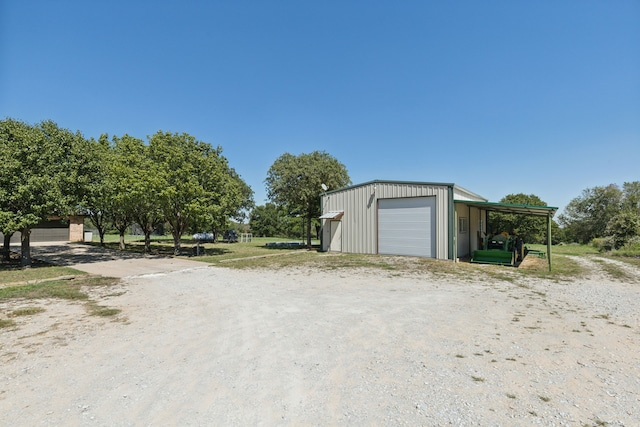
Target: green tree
x,y
296,183
199,186
623,226
40,175
145,186
8,227
587,216
631,196
532,229
98,189
234,200
270,220
179,160
125,155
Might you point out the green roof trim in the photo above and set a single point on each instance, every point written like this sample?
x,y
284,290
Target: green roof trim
x,y
547,211
378,181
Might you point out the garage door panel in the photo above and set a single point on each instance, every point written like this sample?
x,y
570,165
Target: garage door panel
x,y
407,226
49,235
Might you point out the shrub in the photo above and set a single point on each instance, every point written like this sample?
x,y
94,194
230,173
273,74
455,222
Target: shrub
x,y
603,244
632,246
623,227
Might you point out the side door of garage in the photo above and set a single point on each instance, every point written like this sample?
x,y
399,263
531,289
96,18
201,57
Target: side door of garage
x,y
335,244
407,226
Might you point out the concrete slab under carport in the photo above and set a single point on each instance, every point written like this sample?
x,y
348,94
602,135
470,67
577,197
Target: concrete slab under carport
x,y
106,262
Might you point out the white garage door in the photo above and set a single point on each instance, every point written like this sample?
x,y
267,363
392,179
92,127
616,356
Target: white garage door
x,y
407,226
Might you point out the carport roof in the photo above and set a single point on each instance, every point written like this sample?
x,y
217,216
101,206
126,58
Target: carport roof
x,y
548,211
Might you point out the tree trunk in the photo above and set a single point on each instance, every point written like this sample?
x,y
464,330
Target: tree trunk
x,y
178,227
122,245
25,247
7,246
309,232
99,223
176,242
147,241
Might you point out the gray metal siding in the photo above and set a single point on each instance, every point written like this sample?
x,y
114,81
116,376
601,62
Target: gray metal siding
x,y
359,223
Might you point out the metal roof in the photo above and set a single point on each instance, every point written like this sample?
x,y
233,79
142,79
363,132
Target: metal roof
x,y
332,215
511,208
384,181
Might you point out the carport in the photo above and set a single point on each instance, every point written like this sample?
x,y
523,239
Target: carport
x,y
545,211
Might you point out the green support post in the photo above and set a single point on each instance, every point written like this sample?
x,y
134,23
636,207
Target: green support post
x,y
549,240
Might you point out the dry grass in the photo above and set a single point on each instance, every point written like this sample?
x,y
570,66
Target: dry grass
x,y
75,289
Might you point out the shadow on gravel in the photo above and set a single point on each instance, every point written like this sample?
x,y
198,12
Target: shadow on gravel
x,y
73,253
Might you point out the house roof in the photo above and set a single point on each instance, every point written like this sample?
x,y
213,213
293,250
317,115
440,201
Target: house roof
x,y
512,208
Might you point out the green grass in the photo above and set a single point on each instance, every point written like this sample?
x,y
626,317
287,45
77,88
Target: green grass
x,y
27,311
257,255
63,289
12,272
213,252
631,260
6,323
615,271
70,290
570,249
102,311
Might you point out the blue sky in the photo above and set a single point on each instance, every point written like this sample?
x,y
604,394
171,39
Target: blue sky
x,y
497,96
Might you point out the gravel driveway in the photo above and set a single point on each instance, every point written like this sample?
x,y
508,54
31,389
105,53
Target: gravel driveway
x,y
215,346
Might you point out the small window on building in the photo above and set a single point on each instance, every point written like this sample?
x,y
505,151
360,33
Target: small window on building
x,y
463,225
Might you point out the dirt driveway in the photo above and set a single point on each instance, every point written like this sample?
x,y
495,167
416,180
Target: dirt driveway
x,y
215,346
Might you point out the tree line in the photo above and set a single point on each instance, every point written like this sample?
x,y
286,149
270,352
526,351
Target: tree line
x,y
172,179
609,213
607,216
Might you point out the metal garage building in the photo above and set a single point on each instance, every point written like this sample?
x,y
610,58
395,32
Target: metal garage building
x,y
422,219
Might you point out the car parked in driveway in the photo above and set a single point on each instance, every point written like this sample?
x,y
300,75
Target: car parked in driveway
x,y
230,236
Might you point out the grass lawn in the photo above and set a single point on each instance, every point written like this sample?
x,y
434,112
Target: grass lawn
x,y
12,272
213,252
43,281
256,254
